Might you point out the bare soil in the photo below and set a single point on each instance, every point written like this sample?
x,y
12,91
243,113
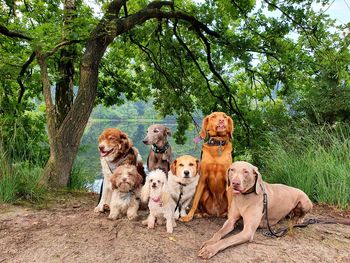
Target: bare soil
x,y
67,230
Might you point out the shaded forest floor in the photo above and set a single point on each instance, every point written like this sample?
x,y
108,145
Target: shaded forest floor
x,y
67,230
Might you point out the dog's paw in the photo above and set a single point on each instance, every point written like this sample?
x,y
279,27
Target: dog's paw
x,y
132,217
207,252
99,209
208,243
186,218
112,217
144,222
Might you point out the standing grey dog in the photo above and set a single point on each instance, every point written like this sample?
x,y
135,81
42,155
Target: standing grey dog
x,y
160,154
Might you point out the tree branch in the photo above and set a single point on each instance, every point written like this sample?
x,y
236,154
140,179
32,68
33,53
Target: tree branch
x,y
5,31
20,77
58,46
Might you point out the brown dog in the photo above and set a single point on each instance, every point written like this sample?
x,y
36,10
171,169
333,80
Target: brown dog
x,y
249,189
160,154
211,195
115,149
126,186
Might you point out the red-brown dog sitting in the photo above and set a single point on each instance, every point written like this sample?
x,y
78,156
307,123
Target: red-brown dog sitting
x,y
211,196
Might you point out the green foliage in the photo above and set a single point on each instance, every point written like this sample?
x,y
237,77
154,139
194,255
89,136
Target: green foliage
x,y
81,178
314,159
20,181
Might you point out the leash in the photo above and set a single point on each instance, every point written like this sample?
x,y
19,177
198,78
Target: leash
x,y
284,230
270,233
179,199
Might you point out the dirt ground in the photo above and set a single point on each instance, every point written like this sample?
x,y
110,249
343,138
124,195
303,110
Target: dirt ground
x,y
67,230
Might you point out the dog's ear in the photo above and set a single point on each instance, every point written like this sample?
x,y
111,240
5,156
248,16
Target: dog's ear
x,y
145,191
259,183
113,182
203,132
167,132
138,180
122,135
230,126
173,167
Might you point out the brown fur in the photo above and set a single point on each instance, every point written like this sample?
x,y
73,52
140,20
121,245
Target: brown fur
x,y
211,196
121,143
157,135
133,179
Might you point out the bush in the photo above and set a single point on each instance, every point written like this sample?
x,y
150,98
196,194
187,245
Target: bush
x,y
315,160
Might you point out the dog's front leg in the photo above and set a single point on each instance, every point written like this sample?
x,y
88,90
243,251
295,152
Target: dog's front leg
x,y
131,213
169,223
104,196
151,221
228,226
196,199
114,209
251,223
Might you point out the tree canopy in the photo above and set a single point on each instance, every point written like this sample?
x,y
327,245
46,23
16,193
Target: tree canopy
x,y
266,63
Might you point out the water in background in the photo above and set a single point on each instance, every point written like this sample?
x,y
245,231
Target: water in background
x,y
88,155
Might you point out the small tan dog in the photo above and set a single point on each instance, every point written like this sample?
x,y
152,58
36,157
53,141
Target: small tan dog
x,y
182,180
126,186
248,190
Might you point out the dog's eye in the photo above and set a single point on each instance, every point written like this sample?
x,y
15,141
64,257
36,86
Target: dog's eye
x,y
151,180
155,130
245,172
232,170
158,181
191,164
181,165
112,138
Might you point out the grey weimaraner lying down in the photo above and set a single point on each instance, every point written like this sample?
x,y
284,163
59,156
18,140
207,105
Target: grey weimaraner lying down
x,y
248,189
160,153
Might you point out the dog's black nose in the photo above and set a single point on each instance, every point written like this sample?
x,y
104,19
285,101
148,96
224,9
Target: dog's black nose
x,y
154,185
187,173
145,141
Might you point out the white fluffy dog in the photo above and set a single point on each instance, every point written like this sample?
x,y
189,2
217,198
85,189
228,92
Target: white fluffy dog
x,y
157,192
182,180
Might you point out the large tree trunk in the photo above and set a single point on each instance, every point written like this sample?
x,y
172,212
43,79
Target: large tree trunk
x,y
64,85
65,138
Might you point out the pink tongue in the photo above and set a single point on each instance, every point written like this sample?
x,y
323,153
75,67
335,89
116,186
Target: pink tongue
x,y
103,154
236,192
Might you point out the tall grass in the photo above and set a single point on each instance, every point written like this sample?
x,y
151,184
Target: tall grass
x,y
19,181
80,178
23,153
316,160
